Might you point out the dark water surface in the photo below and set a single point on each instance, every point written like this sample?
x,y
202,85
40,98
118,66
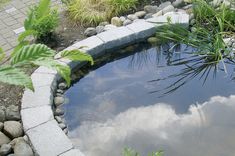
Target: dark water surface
x,y
112,108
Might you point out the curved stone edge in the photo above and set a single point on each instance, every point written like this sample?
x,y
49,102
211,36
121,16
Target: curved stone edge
x,y
45,135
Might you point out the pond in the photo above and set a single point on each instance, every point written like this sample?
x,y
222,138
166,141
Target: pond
x,y
115,106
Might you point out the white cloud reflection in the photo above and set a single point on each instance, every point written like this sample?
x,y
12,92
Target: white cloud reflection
x,y
207,129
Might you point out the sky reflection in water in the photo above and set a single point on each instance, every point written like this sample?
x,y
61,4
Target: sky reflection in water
x,y
112,108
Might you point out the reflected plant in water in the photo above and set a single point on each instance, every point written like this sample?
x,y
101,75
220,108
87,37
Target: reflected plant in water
x,y
130,152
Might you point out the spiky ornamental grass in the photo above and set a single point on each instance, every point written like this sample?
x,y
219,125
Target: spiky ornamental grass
x,y
92,12
212,25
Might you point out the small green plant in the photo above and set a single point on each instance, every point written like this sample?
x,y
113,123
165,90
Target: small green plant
x,y
130,152
87,12
118,7
41,21
36,55
92,12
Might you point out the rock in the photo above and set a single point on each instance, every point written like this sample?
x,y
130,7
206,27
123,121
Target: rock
x,y
2,114
140,14
58,119
167,9
90,32
62,126
26,138
4,139
63,85
1,126
15,141
227,3
66,130
23,149
191,16
192,22
99,29
11,155
104,23
116,21
122,18
164,5
149,15
5,149
132,17
153,40
12,113
13,129
59,100
126,22
178,3
216,3
58,112
109,27
159,13
151,9
60,91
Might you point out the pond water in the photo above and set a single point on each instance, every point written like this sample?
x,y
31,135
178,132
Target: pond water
x,y
115,106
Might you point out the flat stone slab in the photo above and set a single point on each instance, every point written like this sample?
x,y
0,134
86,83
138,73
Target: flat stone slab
x,y
92,45
40,97
49,140
173,17
72,152
142,29
117,38
33,117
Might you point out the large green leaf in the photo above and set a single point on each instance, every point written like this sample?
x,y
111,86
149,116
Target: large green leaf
x,y
63,70
77,55
43,8
32,52
15,76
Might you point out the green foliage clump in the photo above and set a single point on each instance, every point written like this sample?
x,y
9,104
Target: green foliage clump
x,y
41,21
118,7
92,12
36,55
87,12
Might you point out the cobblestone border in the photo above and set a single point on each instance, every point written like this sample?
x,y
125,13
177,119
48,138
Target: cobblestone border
x,y
39,124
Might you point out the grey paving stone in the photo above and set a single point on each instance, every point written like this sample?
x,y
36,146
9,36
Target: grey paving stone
x,y
43,79
19,30
49,140
33,117
92,45
40,97
142,29
117,38
73,152
11,10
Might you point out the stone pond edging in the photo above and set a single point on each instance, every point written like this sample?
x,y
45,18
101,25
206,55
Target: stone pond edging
x,y
46,137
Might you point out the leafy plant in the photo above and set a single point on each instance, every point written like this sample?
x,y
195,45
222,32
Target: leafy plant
x,y
39,55
41,21
88,12
92,12
130,152
118,7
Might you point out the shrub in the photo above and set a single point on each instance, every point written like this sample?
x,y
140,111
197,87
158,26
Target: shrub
x,y
88,12
92,12
41,21
130,152
118,7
